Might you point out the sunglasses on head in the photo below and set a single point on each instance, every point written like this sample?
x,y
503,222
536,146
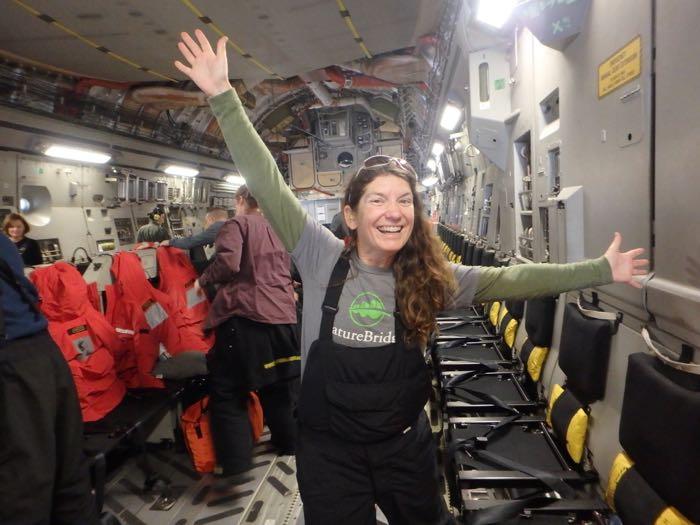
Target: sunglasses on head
x,y
381,161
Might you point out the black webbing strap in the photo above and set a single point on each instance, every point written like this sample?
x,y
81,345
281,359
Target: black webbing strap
x,y
333,292
469,340
507,510
483,396
479,370
513,508
475,447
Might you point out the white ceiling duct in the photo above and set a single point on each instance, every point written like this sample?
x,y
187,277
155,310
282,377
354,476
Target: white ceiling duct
x,y
350,101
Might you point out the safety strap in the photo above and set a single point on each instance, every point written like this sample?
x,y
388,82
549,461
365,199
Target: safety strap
x,y
475,447
691,368
479,370
513,508
483,396
595,314
506,511
457,324
469,340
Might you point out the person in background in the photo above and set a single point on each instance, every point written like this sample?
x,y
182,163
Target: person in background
x,y
254,315
338,226
213,221
154,231
16,228
43,473
369,310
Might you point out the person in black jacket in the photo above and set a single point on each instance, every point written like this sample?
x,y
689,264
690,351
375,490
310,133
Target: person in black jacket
x,y
16,228
43,473
154,231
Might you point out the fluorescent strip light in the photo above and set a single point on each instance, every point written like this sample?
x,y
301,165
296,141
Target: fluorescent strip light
x,y
77,154
450,117
182,171
495,12
234,180
431,165
438,148
429,181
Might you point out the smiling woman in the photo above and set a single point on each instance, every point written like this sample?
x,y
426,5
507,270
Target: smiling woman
x,y
364,438
389,230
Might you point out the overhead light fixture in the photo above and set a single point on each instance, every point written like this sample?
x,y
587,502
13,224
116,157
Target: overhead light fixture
x,y
438,148
450,117
429,181
179,170
234,179
77,154
495,12
431,165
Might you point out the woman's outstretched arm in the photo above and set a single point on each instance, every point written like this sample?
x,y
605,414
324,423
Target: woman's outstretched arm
x,y
209,70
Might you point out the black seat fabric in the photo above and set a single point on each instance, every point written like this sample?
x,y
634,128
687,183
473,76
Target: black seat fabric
x,y
539,320
475,353
488,258
478,254
520,443
660,430
466,330
468,260
516,308
636,502
583,354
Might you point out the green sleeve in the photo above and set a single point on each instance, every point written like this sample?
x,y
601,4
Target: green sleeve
x,y
537,280
256,165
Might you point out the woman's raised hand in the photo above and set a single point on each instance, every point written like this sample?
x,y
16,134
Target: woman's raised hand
x,y
207,69
625,265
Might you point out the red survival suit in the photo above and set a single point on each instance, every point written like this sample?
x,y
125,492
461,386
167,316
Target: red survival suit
x,y
148,320
88,342
176,279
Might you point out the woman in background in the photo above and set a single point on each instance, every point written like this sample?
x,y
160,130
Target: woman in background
x,y
16,227
254,316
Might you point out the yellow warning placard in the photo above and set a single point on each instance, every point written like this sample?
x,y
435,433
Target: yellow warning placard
x,y
620,68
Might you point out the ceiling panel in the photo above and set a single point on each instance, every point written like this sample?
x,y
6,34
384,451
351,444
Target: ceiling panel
x,y
288,36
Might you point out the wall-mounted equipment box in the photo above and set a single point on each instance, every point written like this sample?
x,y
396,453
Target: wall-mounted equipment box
x,y
489,97
566,241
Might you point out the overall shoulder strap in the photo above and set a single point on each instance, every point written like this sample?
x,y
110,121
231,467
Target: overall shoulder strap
x,y
330,302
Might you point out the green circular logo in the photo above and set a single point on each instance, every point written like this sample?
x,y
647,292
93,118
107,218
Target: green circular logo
x,y
367,310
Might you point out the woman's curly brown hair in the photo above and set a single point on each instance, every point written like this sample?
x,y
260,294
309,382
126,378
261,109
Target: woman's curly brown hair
x,y
424,281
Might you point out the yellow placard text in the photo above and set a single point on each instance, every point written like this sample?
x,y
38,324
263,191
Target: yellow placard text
x,y
620,68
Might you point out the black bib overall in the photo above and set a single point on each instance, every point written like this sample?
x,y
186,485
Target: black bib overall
x,y
364,437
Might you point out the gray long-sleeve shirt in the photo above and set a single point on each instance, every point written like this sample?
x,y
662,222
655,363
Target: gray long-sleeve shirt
x,y
203,238
367,300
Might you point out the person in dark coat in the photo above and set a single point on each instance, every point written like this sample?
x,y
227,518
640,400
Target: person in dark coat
x,y
154,231
43,473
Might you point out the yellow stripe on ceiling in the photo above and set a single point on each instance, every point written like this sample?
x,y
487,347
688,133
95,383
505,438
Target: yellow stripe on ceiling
x,y
48,67
348,21
52,21
208,21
